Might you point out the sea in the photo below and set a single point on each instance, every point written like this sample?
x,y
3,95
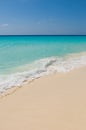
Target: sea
x,y
25,58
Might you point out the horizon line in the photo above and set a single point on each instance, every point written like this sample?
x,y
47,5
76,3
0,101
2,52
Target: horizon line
x,y
42,35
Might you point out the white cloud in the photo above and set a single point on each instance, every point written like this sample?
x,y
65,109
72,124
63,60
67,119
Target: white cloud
x,y
3,25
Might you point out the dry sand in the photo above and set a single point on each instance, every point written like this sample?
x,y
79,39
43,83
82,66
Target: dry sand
x,y
54,102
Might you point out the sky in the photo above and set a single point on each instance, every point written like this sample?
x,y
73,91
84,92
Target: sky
x,y
42,17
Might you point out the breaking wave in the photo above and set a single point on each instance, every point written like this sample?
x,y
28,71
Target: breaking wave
x,y
43,67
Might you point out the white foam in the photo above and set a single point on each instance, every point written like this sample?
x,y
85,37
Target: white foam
x,y
43,67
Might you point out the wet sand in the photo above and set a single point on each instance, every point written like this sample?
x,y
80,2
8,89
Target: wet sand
x,y
54,102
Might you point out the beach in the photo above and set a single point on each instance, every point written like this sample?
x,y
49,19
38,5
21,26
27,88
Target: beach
x,y
53,102
42,65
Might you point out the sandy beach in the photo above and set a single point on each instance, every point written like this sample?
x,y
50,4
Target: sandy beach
x,y
54,102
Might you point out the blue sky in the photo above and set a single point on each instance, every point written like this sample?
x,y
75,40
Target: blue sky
x,y
42,17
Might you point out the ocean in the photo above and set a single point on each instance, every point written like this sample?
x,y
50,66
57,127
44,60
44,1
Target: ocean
x,y
24,58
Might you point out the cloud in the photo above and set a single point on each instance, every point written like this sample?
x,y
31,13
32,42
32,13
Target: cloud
x,y
3,25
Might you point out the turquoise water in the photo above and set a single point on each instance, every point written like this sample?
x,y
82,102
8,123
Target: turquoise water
x,y
16,51
24,56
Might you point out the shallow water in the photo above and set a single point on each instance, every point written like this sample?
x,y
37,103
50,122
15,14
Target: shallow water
x,y
28,57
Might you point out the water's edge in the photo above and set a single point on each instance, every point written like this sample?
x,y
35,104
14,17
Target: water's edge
x,y
43,67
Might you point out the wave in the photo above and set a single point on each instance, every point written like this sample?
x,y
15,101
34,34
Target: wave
x,y
43,67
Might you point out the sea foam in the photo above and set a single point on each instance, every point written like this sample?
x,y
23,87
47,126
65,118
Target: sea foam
x,y
43,67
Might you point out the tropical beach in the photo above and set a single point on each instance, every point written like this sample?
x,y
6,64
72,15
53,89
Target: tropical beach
x,y
42,65
57,101
44,91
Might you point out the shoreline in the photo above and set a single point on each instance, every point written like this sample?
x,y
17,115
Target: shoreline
x,y
42,67
56,101
12,90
